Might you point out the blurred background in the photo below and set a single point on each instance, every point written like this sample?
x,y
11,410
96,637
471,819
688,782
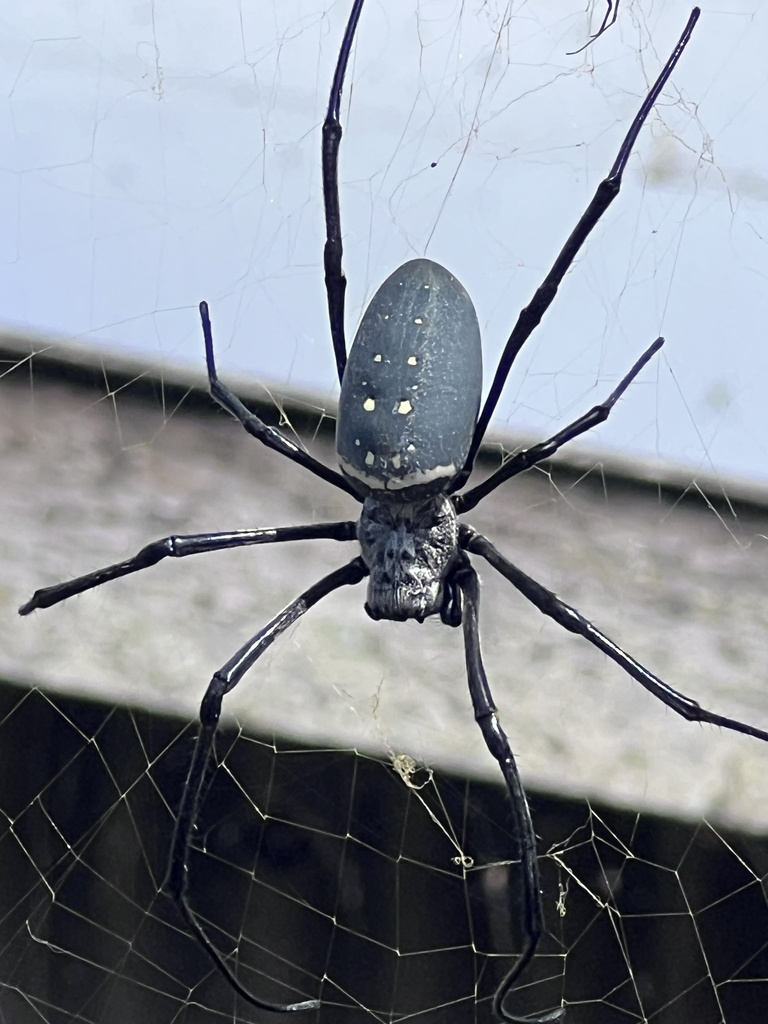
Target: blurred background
x,y
155,155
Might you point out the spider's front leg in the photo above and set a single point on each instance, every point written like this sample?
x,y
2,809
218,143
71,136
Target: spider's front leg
x,y
569,618
497,742
228,676
178,546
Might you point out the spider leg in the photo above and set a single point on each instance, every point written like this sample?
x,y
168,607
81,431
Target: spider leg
x,y
525,459
609,19
606,192
551,605
335,281
178,547
497,742
270,436
227,677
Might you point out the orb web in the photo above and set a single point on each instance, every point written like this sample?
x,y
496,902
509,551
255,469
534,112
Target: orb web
x,y
367,861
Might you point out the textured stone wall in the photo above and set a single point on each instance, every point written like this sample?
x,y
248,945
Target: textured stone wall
x,y
96,465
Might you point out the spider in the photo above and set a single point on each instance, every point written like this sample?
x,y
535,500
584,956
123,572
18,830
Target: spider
x,y
408,431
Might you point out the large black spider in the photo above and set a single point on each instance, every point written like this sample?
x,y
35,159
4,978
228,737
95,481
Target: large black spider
x,y
407,435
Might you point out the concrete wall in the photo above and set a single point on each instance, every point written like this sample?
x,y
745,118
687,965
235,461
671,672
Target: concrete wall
x,y
99,457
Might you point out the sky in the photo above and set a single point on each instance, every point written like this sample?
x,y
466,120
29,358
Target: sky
x,y
156,154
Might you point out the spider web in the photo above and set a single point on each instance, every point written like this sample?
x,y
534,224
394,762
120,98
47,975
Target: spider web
x,y
354,842
386,892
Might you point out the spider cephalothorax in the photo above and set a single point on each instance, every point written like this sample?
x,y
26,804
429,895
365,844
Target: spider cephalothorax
x,y
409,549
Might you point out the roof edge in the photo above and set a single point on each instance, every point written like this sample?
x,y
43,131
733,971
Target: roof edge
x,y
93,366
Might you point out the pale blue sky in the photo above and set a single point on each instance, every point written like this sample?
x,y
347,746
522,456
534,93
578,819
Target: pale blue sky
x,y
156,154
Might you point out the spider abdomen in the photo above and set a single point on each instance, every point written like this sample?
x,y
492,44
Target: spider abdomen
x,y
409,549
411,389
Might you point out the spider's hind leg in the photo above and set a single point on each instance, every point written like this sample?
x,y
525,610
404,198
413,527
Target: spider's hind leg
x,y
335,281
